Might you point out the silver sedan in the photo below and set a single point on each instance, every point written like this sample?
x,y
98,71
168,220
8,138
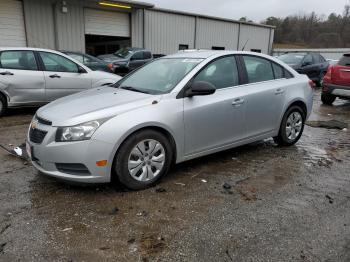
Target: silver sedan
x,y
32,76
173,109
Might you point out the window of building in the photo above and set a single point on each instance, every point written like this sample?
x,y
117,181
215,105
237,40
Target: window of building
x,y
21,60
258,69
56,63
183,47
221,73
218,48
256,50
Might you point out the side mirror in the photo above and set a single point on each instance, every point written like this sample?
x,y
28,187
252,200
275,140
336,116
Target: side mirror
x,y
200,88
81,70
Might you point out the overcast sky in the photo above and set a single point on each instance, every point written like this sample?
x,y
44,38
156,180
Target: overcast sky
x,y
256,10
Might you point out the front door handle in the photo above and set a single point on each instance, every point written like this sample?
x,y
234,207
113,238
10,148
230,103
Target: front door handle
x,y
279,91
238,102
55,76
6,73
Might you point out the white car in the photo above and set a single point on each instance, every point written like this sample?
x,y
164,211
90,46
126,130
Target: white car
x,y
32,77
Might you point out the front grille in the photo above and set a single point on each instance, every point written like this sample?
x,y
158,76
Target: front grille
x,y
73,169
43,121
36,135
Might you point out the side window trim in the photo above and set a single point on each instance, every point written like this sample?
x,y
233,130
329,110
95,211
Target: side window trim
x,y
18,50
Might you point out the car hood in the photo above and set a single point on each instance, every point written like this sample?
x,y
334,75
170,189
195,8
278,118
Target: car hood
x,y
100,75
112,58
97,103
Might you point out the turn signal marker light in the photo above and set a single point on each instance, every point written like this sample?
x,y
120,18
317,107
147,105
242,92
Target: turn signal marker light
x,y
101,163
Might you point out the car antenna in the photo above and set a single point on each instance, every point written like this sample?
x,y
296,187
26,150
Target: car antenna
x,y
245,44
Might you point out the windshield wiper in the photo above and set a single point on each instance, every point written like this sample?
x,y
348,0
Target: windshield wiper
x,y
131,88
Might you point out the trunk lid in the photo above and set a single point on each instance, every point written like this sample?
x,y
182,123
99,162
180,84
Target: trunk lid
x,y
341,71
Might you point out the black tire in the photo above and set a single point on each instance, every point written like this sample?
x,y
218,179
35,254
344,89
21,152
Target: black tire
x,y
327,99
120,166
282,138
3,105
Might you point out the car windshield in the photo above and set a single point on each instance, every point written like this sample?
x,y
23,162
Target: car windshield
x,y
159,76
123,53
292,58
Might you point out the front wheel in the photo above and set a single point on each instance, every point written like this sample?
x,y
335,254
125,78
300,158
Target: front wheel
x,y
143,159
292,127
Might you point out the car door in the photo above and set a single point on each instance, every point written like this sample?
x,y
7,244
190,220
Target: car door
x,y
264,95
215,120
20,77
62,76
136,60
309,67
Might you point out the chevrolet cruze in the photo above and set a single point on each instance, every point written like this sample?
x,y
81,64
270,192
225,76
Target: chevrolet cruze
x,y
173,109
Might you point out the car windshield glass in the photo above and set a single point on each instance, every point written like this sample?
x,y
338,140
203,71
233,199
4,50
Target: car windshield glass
x,y
159,76
123,53
292,59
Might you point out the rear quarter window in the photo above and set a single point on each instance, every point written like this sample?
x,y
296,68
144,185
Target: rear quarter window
x,y
344,61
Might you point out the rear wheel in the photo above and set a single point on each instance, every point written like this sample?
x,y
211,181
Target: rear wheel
x,y
143,159
3,105
292,127
327,99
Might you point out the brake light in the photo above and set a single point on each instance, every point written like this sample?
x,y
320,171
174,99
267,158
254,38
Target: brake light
x,y
328,76
312,84
110,66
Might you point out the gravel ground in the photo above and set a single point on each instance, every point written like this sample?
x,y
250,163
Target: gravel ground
x,y
258,202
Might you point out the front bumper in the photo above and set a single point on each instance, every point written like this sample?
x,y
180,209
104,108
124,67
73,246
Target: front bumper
x,y
46,156
336,90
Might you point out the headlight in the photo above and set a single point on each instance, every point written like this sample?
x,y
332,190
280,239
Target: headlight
x,y
79,132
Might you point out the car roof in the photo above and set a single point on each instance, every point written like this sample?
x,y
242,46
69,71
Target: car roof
x,y
28,49
203,54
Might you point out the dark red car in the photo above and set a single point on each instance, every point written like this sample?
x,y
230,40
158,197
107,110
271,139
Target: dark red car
x,y
336,83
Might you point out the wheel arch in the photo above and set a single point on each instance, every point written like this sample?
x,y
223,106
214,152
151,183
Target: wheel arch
x,y
154,127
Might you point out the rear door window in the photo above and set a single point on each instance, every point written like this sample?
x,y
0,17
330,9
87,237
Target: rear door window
x,y
147,55
137,56
21,60
258,69
345,60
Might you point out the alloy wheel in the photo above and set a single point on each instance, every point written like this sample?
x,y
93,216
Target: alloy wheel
x,y
294,125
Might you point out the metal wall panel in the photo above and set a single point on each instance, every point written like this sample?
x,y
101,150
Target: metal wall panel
x,y
98,22
164,32
255,38
69,27
137,28
212,32
39,23
12,30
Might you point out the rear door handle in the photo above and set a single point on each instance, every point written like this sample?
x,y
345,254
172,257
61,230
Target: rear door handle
x,y
279,91
55,76
238,102
6,73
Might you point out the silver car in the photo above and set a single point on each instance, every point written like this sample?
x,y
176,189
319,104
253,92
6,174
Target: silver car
x,y
173,109
31,76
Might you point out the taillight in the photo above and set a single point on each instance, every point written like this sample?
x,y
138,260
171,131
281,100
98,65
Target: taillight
x,y
312,84
110,66
328,76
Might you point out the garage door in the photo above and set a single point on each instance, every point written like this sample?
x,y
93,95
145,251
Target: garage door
x,y
107,23
12,32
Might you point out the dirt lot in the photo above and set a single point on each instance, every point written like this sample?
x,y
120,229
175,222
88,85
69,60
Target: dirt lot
x,y
278,204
